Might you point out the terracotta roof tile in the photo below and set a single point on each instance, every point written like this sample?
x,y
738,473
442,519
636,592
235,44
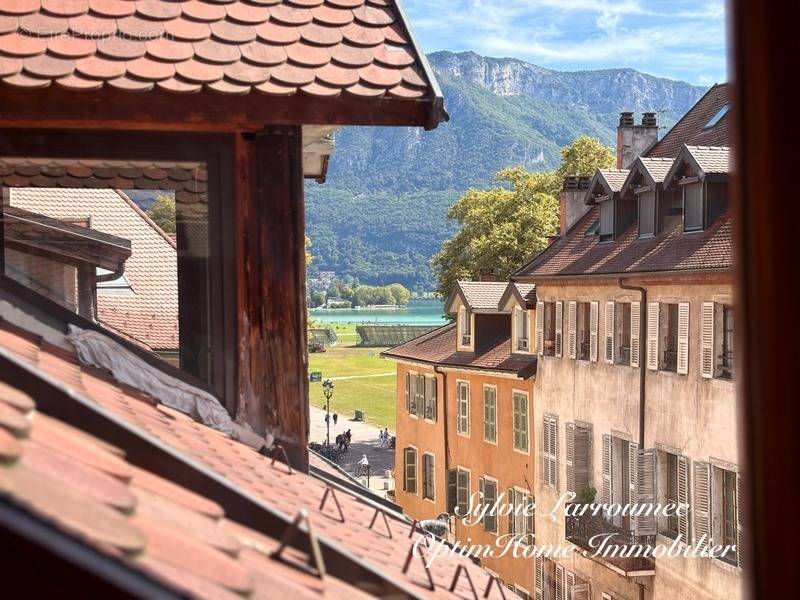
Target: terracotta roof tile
x,y
154,526
482,295
180,536
366,38
712,159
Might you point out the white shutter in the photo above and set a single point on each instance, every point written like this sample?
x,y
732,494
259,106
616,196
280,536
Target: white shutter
x,y
581,591
646,492
702,501
539,577
707,340
606,469
635,318
594,309
652,335
569,448
544,464
607,596
408,392
739,519
683,498
583,458
572,326
608,346
683,338
569,583
553,424
559,329
559,583
540,328
633,477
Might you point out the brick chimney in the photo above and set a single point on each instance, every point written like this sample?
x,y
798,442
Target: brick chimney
x,y
634,140
571,206
487,275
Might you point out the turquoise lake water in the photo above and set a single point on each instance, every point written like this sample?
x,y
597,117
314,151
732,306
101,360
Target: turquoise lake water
x,y
417,315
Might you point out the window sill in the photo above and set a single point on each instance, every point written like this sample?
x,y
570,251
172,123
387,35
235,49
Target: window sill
x,y
493,443
726,566
523,452
464,435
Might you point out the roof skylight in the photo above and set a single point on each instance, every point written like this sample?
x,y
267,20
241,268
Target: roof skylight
x,y
718,116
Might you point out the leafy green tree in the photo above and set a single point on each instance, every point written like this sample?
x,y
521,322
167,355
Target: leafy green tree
x,y
503,227
162,211
400,294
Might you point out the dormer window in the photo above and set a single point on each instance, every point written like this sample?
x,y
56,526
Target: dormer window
x,y
693,206
606,220
647,213
465,326
521,323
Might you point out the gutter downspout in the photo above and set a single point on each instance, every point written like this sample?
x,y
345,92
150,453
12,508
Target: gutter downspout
x,y
642,365
446,436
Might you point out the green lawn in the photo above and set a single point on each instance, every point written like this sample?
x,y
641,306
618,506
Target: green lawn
x,y
375,395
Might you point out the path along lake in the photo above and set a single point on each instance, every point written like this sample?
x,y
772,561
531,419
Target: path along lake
x,y
414,315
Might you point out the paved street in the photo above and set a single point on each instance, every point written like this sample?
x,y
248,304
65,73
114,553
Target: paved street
x,y
364,441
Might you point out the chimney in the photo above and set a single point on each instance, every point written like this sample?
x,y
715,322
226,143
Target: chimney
x,y
571,205
487,275
634,140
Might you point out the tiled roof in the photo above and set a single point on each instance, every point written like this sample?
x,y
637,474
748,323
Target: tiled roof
x,y
481,295
183,541
657,167
322,48
647,171
438,347
525,294
150,315
605,182
671,250
245,469
711,159
614,177
691,129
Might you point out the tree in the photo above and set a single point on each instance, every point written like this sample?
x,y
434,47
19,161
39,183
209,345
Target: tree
x,y
162,211
400,294
503,227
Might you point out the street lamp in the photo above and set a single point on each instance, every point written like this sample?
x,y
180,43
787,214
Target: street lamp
x,y
327,389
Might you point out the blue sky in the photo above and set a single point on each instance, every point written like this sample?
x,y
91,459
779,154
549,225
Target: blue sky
x,y
679,39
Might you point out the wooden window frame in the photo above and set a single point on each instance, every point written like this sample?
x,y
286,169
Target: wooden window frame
x,y
425,482
406,450
490,386
461,383
514,394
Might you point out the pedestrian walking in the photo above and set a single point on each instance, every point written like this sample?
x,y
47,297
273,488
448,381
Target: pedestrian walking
x,y
335,419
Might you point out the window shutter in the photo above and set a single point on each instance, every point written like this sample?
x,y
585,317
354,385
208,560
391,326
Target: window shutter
x,y
702,501
430,398
652,335
539,577
482,490
646,492
707,340
559,329
452,490
559,582
606,469
572,326
408,392
739,519
510,500
633,478
581,591
569,583
570,454
683,338
607,596
540,328
683,498
608,348
543,462
411,471
635,317
554,452
594,309
583,458
529,519
421,396
462,492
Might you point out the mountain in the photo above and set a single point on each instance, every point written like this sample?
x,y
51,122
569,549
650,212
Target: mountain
x,y
382,213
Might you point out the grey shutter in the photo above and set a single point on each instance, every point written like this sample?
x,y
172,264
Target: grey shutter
x,y
646,492
569,448
529,519
636,315
707,340
594,318
482,490
410,471
683,498
462,492
683,338
572,325
559,329
652,335
606,469
581,591
559,582
539,577
553,425
540,328
543,462
633,478
583,458
739,519
510,500
408,392
452,490
421,396
430,398
608,346
702,501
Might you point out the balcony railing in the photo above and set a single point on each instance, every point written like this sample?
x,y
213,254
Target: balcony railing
x,y
589,532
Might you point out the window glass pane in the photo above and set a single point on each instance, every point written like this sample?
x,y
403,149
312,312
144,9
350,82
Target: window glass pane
x,y
693,206
647,214
118,242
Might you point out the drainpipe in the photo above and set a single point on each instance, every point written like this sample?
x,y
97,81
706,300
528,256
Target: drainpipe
x,y
642,365
444,417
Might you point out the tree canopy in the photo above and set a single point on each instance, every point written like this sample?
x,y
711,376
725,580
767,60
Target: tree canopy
x,y
501,228
162,212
